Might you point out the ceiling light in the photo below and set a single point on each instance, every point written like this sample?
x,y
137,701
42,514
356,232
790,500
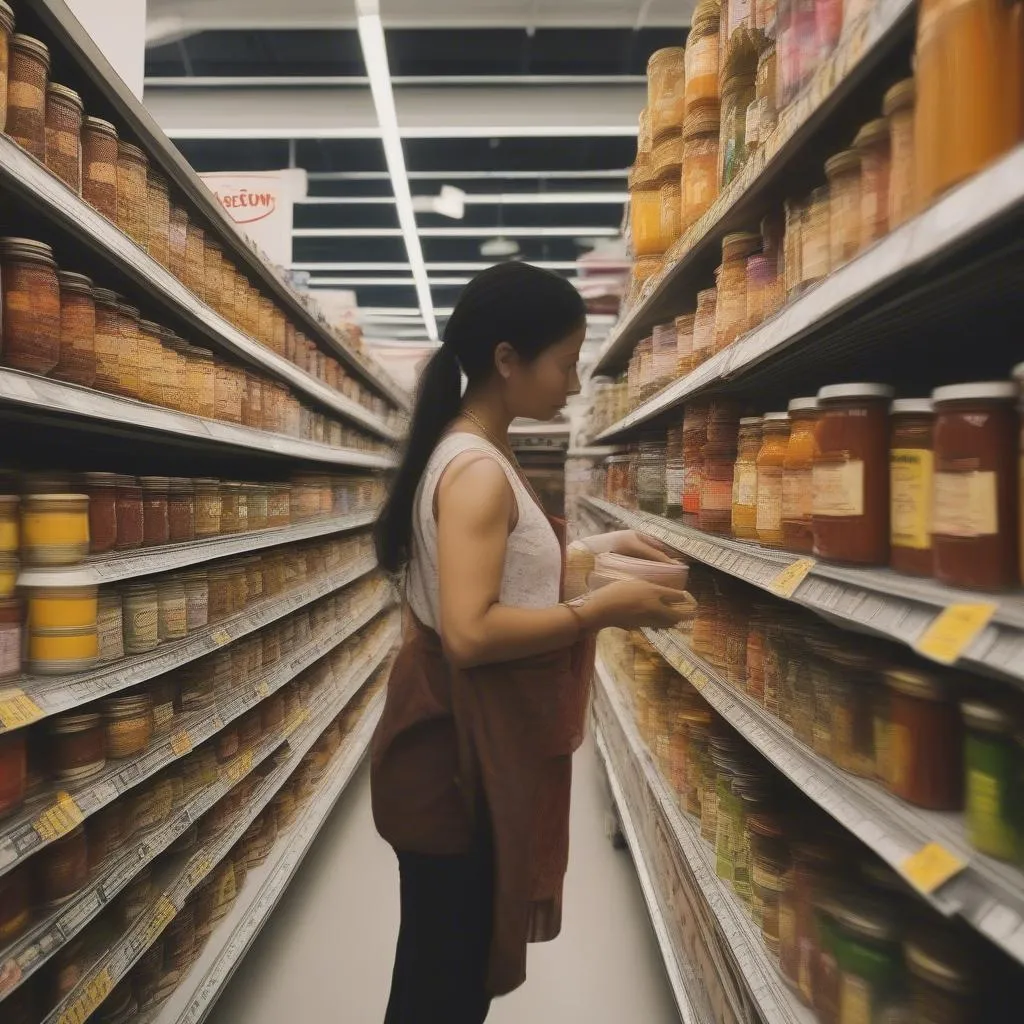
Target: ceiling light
x,y
497,248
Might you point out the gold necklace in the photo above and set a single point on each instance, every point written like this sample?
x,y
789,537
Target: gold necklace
x,y
506,450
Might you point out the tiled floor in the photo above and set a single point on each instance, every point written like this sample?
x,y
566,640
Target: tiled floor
x,y
326,953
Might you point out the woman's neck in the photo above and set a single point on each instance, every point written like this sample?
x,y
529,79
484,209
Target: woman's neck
x,y
490,412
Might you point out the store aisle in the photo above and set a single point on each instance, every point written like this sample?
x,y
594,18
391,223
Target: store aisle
x,y
326,953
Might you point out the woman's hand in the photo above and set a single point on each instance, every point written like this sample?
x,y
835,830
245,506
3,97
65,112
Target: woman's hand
x,y
628,542
629,604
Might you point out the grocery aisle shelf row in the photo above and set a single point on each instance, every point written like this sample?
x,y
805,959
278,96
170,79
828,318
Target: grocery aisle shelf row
x,y
122,565
42,395
986,892
194,998
878,601
952,222
35,697
864,43
300,734
32,828
752,965
65,28
678,971
26,178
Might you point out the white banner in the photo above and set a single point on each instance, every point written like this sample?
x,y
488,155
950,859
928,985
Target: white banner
x,y
260,203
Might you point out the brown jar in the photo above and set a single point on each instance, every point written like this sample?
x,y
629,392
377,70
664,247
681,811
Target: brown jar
x,y
230,497
129,513
77,747
107,338
172,609
202,376
77,362
141,618
31,306
195,261
975,528
228,388
155,518
128,724
159,218
64,113
13,750
177,241
102,491
181,510
6,31
208,507
99,166
63,867
911,469
872,145
218,287
26,94
132,191
15,915
850,478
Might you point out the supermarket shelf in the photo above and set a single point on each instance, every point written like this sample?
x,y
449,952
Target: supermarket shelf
x,y
194,998
986,892
118,959
864,43
877,601
42,395
592,452
677,970
130,564
36,697
30,180
750,961
66,29
26,833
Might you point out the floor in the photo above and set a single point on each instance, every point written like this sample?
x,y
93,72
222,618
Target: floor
x,y
326,953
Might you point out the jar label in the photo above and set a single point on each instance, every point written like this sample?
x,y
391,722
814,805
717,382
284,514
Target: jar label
x,y
142,625
854,1000
716,496
797,495
744,485
910,488
965,504
10,650
838,488
701,58
25,95
769,499
988,814
674,479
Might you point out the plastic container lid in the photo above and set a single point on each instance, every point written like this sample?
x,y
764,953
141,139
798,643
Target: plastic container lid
x,y
915,406
987,717
846,160
917,683
775,417
996,390
34,46
872,133
837,392
750,421
899,97
64,93
940,963
803,404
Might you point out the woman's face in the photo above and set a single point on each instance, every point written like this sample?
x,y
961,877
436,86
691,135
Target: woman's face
x,y
539,388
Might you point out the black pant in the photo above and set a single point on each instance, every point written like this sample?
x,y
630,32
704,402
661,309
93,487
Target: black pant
x,y
445,937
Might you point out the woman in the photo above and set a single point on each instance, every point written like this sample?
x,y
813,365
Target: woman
x,y
486,702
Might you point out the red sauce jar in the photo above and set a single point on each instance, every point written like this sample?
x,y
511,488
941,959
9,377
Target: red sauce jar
x,y
975,529
181,510
129,513
102,491
156,527
13,769
850,475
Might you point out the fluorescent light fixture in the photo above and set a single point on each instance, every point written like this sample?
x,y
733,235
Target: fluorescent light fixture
x,y
375,55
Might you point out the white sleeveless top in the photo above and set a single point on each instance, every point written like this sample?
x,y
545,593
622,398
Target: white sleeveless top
x,y
533,557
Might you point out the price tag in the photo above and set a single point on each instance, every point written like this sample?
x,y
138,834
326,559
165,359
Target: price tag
x,y
295,721
262,690
787,581
699,678
17,709
221,637
94,992
181,743
933,865
240,767
200,870
161,917
954,630
59,819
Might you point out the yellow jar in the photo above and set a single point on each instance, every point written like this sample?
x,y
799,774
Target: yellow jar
x,y
8,524
770,459
55,652
8,575
62,607
744,479
55,528
645,213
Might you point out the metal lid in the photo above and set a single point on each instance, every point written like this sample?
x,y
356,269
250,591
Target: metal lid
x,y
872,133
985,390
98,124
158,181
775,417
912,406
58,499
155,483
846,160
6,16
106,296
899,97
987,717
702,120
667,53
867,918
126,480
129,150
77,721
915,682
75,282
12,246
64,93
807,404
39,49
941,963
750,421
837,392
149,327
181,484
144,589
206,481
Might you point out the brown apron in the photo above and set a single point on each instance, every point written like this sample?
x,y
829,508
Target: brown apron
x,y
503,734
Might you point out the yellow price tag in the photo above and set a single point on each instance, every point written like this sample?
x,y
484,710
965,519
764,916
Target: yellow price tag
x,y
201,870
699,678
933,865
295,721
787,581
221,637
18,709
240,767
58,819
954,630
163,914
262,690
181,743
95,991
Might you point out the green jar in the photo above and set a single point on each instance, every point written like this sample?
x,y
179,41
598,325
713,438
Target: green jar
x,y
991,772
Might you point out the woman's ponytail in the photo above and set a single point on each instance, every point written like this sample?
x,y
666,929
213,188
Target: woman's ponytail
x,y
438,398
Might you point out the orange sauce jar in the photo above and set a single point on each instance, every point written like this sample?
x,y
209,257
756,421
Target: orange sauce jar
x,y
770,460
798,476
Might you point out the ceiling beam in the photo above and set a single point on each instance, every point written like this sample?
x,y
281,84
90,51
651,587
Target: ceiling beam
x,y
514,232
469,175
361,81
397,267
481,199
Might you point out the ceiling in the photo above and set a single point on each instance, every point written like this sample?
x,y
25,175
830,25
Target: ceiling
x,y
528,106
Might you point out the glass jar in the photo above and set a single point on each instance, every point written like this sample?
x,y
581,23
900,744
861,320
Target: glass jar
x,y
645,212
110,627
6,31
202,373
31,306
9,517
13,763
898,107
63,868
704,325
715,514
760,287
99,166
195,261
770,459
738,92
666,85
10,643
155,501
671,198
650,475
975,525
700,162
54,528
731,308
128,724
196,599
209,507
172,609
228,386
27,75
684,343
158,217
798,477
990,764
129,513
77,361
141,618
872,146
64,112
815,242
177,240
850,478
762,114
62,607
258,502
76,746
744,485
132,191
844,221
943,979
911,470
181,510
702,57
154,386
793,248
101,489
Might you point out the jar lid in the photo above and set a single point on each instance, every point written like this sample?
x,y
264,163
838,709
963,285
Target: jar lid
x,y
873,133
76,721
750,421
20,41
206,481
842,162
10,246
807,404
665,55
8,501
987,717
98,124
702,119
941,963
996,390
740,244
132,312
64,93
158,181
150,327
899,97
74,282
155,483
124,480
912,406
775,417
124,703
6,16
133,152
867,919
181,484
144,589
838,392
106,296
55,499
915,682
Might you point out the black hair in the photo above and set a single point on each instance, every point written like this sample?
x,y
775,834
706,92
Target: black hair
x,y
530,309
